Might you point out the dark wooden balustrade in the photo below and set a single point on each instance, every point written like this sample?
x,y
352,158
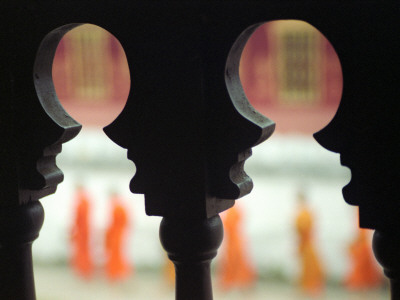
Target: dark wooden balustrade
x,y
187,124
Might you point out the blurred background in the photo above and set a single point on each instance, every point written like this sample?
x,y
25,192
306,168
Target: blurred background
x,y
291,74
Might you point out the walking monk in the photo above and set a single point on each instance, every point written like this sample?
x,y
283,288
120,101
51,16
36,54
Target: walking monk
x,y
234,269
169,271
81,259
117,267
312,277
364,272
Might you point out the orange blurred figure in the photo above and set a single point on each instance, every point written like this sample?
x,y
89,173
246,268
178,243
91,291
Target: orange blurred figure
x,y
81,259
364,272
234,269
117,267
169,271
312,277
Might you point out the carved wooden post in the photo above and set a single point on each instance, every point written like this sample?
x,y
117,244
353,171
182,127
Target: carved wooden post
x,y
365,128
191,244
33,126
19,227
386,246
189,137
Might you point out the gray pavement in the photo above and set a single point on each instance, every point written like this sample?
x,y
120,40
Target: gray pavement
x,y
60,283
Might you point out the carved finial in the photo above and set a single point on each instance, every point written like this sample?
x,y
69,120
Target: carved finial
x,y
191,244
386,246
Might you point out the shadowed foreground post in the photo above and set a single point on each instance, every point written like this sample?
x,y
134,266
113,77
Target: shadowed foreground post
x,y
189,144
386,246
191,245
19,227
33,126
365,130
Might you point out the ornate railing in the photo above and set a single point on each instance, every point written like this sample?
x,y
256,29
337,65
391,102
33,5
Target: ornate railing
x,y
187,125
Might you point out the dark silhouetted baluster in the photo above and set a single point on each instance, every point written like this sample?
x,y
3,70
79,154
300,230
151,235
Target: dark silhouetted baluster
x,y
386,246
19,227
365,128
33,126
191,245
189,144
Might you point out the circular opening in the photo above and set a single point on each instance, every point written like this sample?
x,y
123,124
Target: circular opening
x,y
91,75
291,73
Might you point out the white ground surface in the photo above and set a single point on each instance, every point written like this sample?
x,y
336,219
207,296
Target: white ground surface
x,y
59,283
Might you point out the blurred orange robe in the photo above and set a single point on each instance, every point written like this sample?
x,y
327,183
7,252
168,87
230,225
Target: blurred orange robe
x,y
234,269
169,271
116,265
364,271
312,277
81,259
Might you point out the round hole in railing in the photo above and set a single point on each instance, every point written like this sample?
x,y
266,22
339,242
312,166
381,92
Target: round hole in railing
x,y
291,73
91,75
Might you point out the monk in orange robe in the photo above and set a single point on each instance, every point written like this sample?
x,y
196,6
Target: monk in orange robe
x,y
234,269
117,267
169,271
312,277
81,259
364,272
